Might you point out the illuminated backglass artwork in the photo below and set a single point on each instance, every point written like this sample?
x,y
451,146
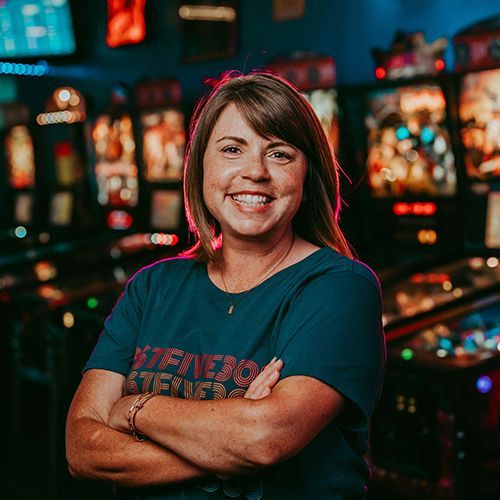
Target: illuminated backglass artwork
x,y
115,165
409,150
479,111
163,143
20,158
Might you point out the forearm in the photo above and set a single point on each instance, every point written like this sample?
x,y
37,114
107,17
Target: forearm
x,y
223,436
96,451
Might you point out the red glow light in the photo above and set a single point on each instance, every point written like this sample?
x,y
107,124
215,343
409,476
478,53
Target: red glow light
x,y
380,73
423,209
438,278
439,64
126,24
118,219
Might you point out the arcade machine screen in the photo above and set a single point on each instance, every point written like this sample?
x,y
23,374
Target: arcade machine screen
x,y
492,233
480,116
35,28
116,169
166,207
164,141
21,171
61,209
409,151
324,103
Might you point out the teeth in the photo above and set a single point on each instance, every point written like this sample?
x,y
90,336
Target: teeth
x,y
251,199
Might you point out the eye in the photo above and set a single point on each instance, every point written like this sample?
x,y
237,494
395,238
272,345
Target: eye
x,y
280,155
231,149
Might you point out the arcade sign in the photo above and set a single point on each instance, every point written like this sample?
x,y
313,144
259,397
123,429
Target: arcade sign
x,y
311,72
478,47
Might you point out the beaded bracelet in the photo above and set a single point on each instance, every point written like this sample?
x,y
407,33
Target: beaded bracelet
x,y
139,403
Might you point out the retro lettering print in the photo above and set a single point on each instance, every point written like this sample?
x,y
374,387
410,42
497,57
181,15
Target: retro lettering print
x,y
178,373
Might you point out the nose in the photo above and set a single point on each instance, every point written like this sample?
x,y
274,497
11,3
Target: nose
x,y
256,169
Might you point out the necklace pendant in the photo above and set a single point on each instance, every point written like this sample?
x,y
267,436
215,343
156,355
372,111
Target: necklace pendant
x,y
231,309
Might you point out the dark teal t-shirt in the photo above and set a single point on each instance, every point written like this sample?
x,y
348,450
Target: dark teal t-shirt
x,y
170,333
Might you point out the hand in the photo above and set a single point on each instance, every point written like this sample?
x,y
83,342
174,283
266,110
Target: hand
x,y
118,417
261,387
265,381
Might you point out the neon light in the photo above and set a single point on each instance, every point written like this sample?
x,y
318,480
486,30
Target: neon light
x,y
40,69
380,73
20,232
439,64
118,219
484,384
423,209
407,354
92,303
402,133
427,135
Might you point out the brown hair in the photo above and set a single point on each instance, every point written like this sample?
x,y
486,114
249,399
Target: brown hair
x,y
273,108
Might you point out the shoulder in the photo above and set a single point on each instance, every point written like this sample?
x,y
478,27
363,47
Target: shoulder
x,y
331,266
162,270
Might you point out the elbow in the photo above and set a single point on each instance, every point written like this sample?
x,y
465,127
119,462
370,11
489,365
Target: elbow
x,y
270,452
76,464
267,444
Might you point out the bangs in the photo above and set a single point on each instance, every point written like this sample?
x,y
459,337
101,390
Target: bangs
x,y
273,116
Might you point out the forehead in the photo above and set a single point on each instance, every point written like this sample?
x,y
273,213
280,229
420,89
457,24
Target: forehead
x,y
231,122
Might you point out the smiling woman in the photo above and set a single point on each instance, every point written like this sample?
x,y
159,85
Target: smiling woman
x,y
180,398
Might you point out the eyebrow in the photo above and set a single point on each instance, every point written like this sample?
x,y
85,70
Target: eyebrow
x,y
240,140
234,138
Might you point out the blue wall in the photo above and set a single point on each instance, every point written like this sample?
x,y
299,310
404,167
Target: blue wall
x,y
346,29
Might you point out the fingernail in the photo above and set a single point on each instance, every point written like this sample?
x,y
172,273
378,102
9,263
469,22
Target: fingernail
x,y
273,360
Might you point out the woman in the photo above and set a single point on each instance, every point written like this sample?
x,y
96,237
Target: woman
x,y
270,277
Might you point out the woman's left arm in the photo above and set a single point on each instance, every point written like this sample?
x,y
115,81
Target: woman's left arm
x,y
233,436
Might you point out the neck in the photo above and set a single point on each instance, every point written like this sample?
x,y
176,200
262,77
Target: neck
x,y
244,265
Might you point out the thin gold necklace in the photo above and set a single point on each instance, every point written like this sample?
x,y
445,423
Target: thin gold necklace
x,y
232,304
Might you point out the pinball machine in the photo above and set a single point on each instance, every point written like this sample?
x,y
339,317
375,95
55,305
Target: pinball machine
x,y
436,431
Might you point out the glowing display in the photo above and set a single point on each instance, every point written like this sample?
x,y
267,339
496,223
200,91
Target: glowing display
x,y
492,234
119,219
34,28
20,157
126,24
68,165
409,151
61,208
23,208
166,209
480,117
115,166
324,103
164,140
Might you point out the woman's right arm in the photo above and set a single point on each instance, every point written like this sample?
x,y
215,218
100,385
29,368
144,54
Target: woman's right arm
x,y
96,451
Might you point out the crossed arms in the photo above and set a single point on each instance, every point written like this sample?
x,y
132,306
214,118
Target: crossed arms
x,y
192,438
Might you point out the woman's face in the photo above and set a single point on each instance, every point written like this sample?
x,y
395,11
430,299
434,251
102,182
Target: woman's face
x,y
251,185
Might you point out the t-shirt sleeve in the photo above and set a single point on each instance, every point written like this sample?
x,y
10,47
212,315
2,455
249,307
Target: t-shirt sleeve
x,y
115,348
333,332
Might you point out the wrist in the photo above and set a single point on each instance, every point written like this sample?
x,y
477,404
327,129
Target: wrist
x,y
133,410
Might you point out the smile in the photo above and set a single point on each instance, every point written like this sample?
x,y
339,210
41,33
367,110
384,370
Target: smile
x,y
251,200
